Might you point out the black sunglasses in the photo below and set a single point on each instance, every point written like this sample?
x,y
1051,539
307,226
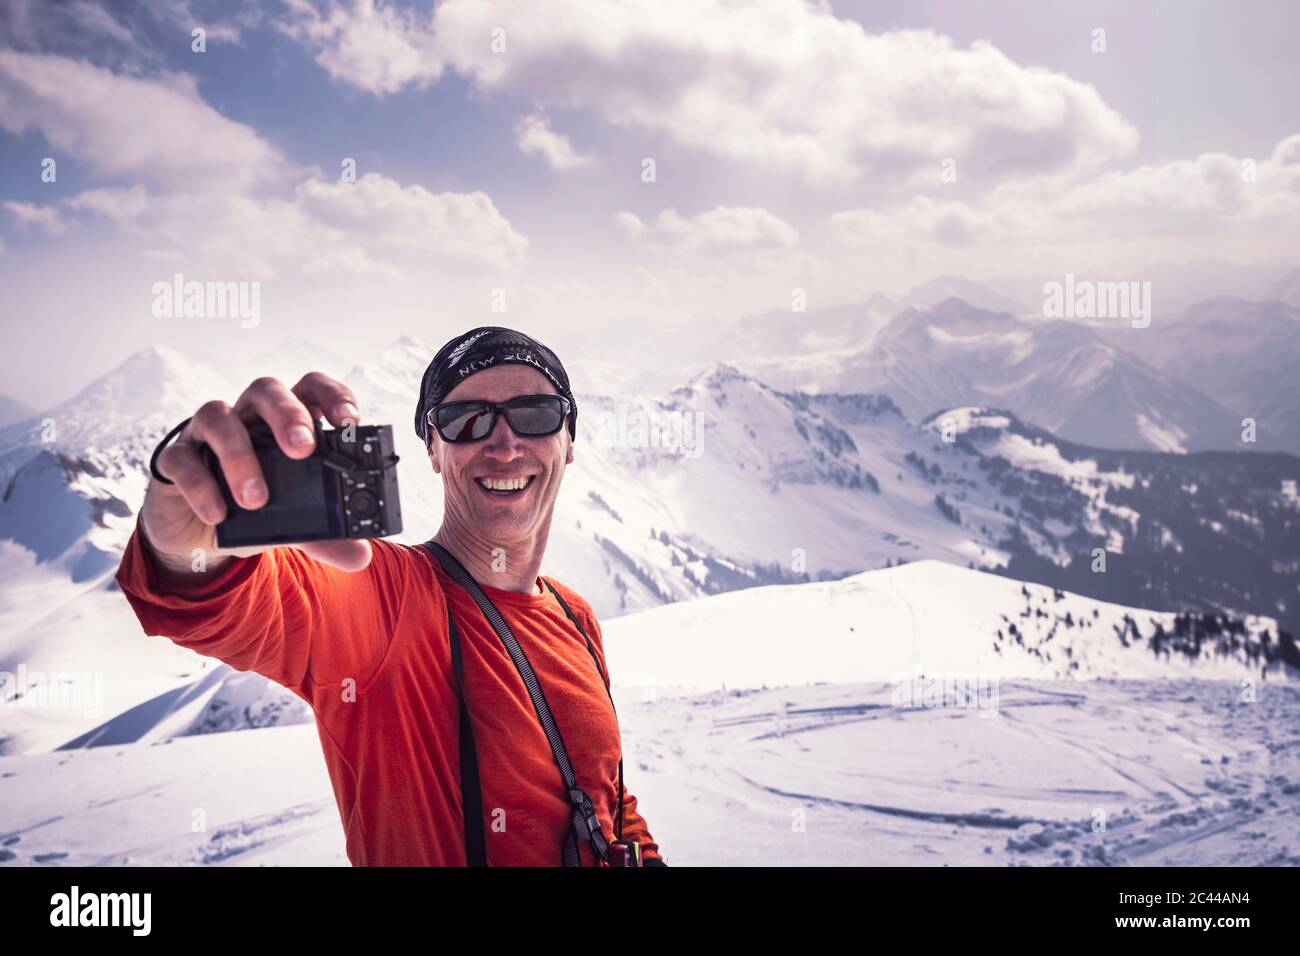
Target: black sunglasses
x,y
530,416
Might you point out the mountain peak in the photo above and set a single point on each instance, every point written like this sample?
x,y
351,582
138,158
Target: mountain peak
x,y
718,374
156,384
944,288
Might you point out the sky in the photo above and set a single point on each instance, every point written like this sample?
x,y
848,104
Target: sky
x,y
503,155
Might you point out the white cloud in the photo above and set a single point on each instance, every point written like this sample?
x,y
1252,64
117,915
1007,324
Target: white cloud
x,y
374,225
29,216
380,49
211,193
534,136
718,231
1181,209
413,222
780,83
156,130
121,205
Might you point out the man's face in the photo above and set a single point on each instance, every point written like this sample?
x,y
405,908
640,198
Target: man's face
x,y
502,518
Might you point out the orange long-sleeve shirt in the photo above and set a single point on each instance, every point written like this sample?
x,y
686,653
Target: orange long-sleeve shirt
x,y
369,652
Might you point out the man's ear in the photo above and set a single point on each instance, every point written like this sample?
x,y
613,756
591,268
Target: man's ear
x,y
568,457
433,455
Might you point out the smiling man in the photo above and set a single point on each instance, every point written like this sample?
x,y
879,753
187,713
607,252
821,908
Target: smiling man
x,y
462,699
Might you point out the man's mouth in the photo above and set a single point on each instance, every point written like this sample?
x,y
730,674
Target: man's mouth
x,y
505,487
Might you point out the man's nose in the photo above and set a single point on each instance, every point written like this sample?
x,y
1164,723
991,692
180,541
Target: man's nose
x,y
503,442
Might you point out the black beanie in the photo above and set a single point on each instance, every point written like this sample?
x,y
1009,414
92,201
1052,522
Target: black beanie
x,y
483,348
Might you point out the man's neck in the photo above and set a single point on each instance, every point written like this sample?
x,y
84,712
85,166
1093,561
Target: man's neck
x,y
510,568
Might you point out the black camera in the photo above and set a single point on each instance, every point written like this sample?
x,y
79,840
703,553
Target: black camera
x,y
347,488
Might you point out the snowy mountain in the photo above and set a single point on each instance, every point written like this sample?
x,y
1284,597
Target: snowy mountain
x,y
1063,376
148,393
886,625
1212,531
844,329
1242,354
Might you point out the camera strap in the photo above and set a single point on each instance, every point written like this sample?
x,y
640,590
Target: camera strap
x,y
158,450
585,824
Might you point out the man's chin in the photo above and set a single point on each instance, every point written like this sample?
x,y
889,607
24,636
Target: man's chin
x,y
503,524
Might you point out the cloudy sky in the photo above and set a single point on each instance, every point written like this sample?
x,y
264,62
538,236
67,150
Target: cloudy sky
x,y
842,148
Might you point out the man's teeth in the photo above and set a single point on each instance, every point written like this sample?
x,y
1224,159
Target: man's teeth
x,y
503,484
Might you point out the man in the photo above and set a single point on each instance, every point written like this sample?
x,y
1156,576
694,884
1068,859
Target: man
x,y
361,629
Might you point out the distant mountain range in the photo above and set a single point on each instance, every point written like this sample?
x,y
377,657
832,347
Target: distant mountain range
x,y
1244,354
1064,376
1182,384
852,327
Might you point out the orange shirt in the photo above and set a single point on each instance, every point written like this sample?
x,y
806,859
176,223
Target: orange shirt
x,y
370,653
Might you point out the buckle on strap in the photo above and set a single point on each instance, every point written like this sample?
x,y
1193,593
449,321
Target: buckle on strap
x,y
583,807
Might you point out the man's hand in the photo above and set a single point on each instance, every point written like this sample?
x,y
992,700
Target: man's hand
x,y
180,518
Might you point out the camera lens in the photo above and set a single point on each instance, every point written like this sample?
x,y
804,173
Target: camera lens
x,y
362,504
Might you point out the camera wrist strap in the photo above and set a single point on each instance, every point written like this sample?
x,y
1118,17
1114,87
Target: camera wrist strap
x,y
585,824
158,450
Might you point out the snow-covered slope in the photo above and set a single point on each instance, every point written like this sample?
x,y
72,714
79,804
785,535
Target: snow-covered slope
x,y
927,618
1094,773
220,701
891,710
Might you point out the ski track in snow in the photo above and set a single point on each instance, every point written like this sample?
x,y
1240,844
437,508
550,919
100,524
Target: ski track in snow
x,y
1183,772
